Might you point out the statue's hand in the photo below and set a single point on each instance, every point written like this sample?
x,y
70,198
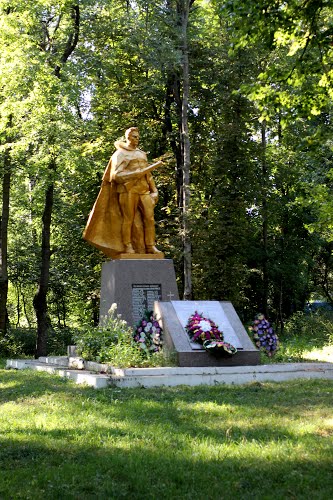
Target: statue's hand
x,y
154,197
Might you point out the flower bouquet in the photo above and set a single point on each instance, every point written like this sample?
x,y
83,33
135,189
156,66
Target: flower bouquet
x,y
219,348
200,329
148,333
205,332
264,336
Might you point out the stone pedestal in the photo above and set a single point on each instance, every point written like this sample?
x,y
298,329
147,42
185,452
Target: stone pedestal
x,y
134,285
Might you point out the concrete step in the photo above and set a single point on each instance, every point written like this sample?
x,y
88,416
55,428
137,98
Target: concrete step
x,y
173,376
54,360
98,381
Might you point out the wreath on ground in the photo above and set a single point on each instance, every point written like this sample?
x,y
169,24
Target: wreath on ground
x,y
148,333
219,348
264,336
204,331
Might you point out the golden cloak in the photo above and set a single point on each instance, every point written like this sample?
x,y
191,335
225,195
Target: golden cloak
x,y
103,229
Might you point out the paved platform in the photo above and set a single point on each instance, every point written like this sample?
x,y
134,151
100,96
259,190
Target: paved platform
x,y
101,375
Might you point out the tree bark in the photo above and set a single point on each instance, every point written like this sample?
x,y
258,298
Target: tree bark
x,y
40,298
264,223
186,159
4,242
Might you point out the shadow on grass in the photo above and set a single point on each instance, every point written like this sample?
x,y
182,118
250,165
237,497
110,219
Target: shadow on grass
x,y
221,413
140,471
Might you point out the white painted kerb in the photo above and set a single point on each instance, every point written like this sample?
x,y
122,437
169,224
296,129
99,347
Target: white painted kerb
x,y
191,376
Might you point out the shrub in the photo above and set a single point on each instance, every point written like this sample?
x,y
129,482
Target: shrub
x,y
113,343
25,338
22,341
58,340
315,329
10,347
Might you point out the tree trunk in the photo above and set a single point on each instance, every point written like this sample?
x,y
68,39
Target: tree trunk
x,y
172,95
40,302
264,223
186,163
4,242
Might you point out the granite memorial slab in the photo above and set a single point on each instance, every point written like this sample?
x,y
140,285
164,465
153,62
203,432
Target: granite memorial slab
x,y
209,309
173,317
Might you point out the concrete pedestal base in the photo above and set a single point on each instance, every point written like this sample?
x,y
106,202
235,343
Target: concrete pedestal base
x,y
135,284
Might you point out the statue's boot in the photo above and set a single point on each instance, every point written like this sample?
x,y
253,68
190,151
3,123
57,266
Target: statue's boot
x,y
152,249
129,248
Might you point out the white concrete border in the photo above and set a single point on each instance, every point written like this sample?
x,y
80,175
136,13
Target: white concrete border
x,y
173,376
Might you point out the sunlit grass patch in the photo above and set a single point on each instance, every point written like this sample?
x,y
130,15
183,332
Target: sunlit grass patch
x,y
325,354
67,441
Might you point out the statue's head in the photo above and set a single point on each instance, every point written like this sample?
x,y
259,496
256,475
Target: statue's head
x,y
132,136
130,131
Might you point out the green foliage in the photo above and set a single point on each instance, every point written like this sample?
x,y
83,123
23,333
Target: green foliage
x,y
10,346
314,329
304,334
95,343
113,343
59,338
22,341
249,61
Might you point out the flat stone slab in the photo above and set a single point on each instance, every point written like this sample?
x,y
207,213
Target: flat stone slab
x,y
138,256
191,376
212,309
173,317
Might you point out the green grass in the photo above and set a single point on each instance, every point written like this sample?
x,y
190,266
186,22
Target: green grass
x,y
260,441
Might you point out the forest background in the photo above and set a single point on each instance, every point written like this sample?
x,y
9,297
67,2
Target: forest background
x,y
235,96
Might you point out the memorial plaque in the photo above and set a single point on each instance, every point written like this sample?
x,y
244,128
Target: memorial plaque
x,y
143,298
211,310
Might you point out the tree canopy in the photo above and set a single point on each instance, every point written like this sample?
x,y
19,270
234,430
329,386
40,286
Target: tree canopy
x,y
236,96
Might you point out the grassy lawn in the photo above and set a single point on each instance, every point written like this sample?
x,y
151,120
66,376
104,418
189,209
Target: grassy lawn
x,y
59,440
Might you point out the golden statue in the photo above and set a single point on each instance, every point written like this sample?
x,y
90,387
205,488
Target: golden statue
x,y
121,223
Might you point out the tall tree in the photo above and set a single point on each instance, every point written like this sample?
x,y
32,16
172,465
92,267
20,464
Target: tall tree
x,y
63,51
6,178
184,7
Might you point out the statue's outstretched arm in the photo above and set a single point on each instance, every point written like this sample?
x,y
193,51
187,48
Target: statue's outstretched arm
x,y
125,176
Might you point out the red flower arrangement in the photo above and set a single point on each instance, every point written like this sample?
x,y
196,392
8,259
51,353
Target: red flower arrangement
x,y
200,329
205,332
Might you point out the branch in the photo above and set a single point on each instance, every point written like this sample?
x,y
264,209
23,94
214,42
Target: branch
x,y
72,40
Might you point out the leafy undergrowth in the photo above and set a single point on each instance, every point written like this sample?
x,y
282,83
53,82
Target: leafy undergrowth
x,y
59,440
306,338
